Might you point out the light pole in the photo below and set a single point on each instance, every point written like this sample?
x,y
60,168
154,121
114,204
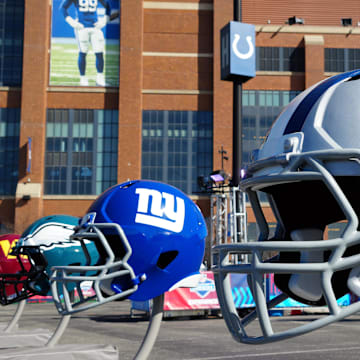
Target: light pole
x,y
237,114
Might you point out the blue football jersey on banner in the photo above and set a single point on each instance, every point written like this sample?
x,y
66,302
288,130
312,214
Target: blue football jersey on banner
x,y
86,10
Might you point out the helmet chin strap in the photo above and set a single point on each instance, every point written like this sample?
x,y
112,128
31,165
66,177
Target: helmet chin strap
x,y
307,286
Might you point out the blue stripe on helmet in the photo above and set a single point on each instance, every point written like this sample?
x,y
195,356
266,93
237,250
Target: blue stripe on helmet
x,y
298,118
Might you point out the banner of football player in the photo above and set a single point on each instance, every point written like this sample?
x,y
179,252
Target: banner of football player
x,y
85,38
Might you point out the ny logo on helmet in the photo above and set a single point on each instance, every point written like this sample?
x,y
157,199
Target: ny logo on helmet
x,y
163,212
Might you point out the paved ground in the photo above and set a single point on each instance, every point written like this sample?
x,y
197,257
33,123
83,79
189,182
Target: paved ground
x,y
194,339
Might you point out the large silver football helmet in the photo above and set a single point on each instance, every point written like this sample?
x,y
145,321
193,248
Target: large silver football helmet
x,y
309,169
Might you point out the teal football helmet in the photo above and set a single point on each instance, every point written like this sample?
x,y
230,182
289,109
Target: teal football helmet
x,y
46,243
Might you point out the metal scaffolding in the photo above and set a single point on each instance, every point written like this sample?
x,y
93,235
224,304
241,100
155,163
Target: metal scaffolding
x,y
228,217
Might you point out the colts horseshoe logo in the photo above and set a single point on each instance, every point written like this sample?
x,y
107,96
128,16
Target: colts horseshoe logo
x,y
240,55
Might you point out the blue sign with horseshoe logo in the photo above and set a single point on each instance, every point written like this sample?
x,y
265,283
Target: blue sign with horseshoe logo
x,y
237,51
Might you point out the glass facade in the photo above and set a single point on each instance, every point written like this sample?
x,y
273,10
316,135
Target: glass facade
x,y
81,151
11,41
9,150
177,147
280,59
260,109
340,60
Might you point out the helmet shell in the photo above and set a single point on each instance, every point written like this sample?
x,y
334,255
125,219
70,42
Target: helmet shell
x,y
52,234
164,227
324,117
9,264
49,230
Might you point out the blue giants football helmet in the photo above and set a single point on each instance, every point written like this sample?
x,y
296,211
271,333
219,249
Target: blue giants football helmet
x,y
309,168
150,236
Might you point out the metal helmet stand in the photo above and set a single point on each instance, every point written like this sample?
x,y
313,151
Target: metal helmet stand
x,y
12,337
50,349
64,321
148,340
59,331
152,330
17,314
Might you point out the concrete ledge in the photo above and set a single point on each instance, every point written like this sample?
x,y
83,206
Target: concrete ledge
x,y
32,189
314,40
84,89
307,29
70,197
177,6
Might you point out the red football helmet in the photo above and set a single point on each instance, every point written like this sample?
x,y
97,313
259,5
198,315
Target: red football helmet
x,y
12,270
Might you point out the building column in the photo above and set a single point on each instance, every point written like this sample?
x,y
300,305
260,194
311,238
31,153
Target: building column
x,y
130,90
223,93
29,205
314,59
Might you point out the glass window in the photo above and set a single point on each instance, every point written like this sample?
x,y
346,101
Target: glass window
x,y
269,58
259,116
81,151
293,59
353,59
335,60
9,150
280,59
177,147
11,41
341,60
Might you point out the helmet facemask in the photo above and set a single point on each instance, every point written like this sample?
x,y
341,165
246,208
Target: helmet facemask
x,y
112,277
306,267
315,211
29,281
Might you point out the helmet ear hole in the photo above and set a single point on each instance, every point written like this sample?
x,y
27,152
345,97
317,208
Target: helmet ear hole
x,y
166,258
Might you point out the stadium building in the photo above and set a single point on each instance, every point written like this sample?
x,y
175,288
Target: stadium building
x,y
163,112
